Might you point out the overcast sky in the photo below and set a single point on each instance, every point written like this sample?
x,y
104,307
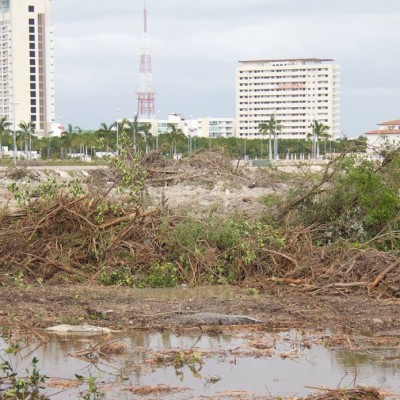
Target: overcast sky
x,y
196,46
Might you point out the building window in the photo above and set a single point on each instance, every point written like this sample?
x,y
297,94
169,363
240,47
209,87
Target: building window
x,y
33,94
33,110
31,54
33,85
31,29
33,78
33,102
32,46
32,62
31,21
33,118
33,70
31,38
31,8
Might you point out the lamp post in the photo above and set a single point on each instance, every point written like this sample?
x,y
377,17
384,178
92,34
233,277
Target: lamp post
x,y
15,138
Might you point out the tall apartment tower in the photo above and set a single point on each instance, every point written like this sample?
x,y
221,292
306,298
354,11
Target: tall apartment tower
x,y
26,63
145,94
296,91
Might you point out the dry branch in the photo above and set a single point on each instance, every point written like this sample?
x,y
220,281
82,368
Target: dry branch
x,y
382,275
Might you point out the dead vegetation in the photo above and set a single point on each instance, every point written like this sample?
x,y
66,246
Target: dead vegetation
x,y
203,167
358,393
108,235
156,390
101,350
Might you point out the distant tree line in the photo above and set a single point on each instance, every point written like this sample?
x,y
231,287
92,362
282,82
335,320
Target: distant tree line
x,y
110,138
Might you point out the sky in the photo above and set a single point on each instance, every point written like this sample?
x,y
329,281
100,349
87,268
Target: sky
x,y
196,46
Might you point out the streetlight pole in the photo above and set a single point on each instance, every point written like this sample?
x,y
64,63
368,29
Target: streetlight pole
x,y
15,138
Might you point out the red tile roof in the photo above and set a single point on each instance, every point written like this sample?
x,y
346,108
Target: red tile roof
x,y
394,122
384,132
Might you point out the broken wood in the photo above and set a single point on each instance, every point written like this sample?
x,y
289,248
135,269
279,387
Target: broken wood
x,y
382,275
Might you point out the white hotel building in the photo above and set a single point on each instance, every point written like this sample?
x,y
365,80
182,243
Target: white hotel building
x,y
296,91
26,63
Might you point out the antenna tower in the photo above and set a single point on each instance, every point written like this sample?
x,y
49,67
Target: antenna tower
x,y
145,94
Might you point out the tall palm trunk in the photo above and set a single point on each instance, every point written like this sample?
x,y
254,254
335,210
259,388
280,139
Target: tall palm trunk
x,y
270,146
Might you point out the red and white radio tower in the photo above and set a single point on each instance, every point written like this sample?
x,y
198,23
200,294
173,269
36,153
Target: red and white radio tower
x,y
145,94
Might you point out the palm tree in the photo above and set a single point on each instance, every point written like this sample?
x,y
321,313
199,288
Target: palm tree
x,y
319,130
106,132
65,141
271,127
4,130
175,136
264,129
145,129
134,126
27,130
325,135
68,138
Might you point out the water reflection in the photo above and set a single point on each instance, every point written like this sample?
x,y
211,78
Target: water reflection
x,y
278,364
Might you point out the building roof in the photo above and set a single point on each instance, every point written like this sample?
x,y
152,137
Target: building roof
x,y
394,122
384,132
288,60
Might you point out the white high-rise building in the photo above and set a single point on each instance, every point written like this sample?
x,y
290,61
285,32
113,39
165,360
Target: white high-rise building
x,y
296,91
26,63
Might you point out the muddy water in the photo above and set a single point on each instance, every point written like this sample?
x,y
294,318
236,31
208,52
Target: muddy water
x,y
258,364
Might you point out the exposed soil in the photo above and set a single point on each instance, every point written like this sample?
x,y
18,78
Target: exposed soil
x,y
126,308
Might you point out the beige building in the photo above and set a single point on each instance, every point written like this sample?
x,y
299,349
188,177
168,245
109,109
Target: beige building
x,y
27,66
216,127
203,127
296,91
387,136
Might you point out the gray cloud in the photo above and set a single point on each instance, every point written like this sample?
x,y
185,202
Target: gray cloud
x,y
196,47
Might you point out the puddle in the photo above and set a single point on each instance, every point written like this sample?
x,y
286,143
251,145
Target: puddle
x,y
260,364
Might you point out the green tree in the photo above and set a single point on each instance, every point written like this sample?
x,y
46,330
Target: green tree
x,y
134,127
271,127
65,141
319,130
25,133
175,137
106,133
4,130
145,130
